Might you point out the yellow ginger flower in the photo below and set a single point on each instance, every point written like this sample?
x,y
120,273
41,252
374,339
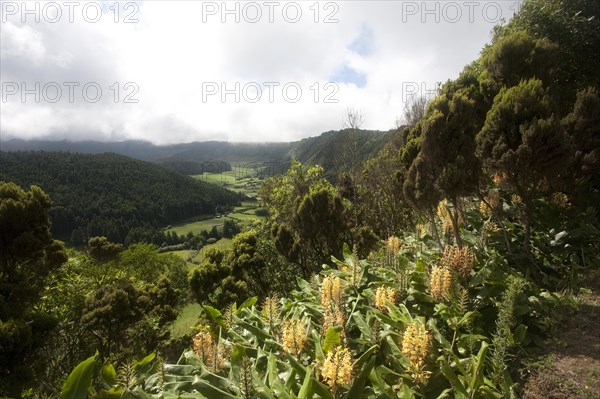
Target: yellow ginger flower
x,y
500,179
337,368
295,336
444,214
334,317
331,292
461,260
211,354
493,199
441,283
421,230
415,346
393,245
270,309
203,345
383,295
560,199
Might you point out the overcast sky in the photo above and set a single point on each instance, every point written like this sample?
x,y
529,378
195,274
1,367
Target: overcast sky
x,y
180,71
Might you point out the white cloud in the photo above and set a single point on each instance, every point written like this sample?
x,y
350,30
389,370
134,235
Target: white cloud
x,y
171,54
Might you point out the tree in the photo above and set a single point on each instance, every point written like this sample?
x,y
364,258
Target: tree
x,y
381,201
522,140
353,121
110,311
575,27
231,276
583,129
28,254
448,150
517,55
310,220
414,110
102,250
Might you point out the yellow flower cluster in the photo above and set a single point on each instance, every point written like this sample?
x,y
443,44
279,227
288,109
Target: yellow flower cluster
x,y
332,298
331,292
415,346
334,317
444,214
337,368
560,199
383,295
295,336
393,245
421,230
516,199
203,344
441,283
270,309
493,199
211,354
500,179
461,260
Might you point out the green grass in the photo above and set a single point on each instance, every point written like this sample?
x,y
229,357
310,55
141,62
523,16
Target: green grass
x,y
197,226
241,180
222,244
183,254
187,318
244,215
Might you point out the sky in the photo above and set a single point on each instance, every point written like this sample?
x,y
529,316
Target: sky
x,y
182,71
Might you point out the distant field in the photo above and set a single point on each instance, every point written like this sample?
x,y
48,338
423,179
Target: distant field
x,y
243,215
187,319
240,179
197,226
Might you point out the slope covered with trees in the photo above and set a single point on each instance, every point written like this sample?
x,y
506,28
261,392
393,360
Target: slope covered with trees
x,y
330,149
109,195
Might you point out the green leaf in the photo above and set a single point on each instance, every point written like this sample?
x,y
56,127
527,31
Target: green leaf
x,y
108,375
477,375
79,381
519,334
306,391
275,382
347,252
380,386
211,391
332,338
145,361
361,323
454,381
215,315
358,386
248,303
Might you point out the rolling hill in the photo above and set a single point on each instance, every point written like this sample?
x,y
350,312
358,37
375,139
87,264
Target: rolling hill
x,y
335,150
109,194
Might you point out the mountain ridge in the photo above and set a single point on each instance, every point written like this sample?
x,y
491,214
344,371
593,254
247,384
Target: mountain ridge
x,y
331,148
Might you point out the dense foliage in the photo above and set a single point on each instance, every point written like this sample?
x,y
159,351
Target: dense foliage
x,y
408,322
110,300
28,255
109,195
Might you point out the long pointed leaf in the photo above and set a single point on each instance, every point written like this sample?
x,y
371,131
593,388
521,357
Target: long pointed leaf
x,y
79,381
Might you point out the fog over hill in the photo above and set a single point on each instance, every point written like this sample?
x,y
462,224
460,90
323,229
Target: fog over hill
x,y
335,150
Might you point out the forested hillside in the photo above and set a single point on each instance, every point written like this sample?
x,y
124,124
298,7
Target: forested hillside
x,y
335,150
108,194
